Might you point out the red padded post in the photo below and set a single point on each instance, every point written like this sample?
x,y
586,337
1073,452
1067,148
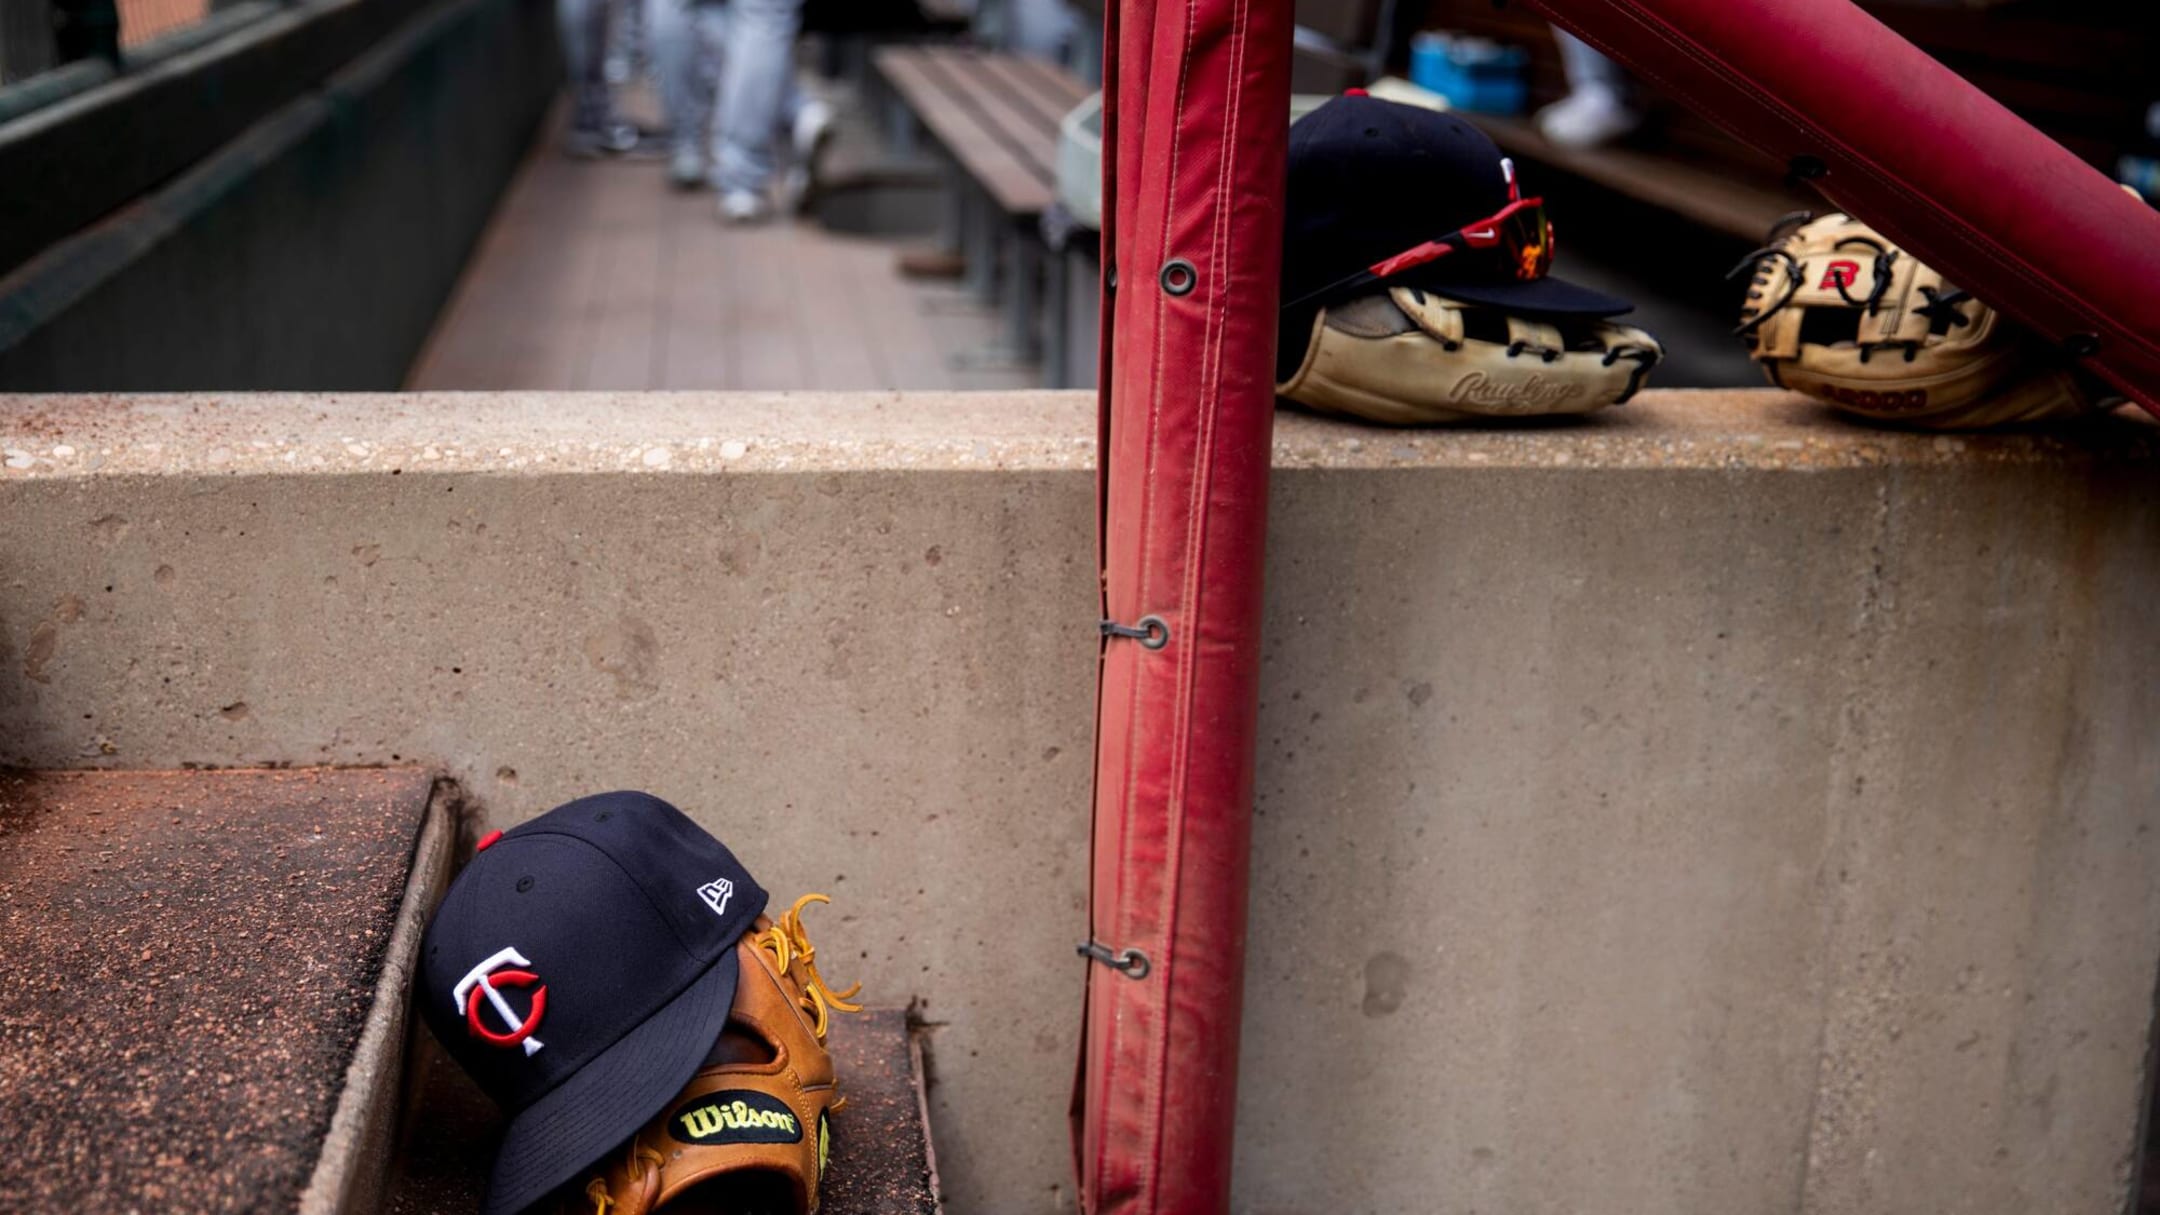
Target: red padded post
x,y
1196,113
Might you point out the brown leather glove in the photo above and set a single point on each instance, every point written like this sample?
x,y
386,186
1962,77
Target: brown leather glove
x,y
755,1114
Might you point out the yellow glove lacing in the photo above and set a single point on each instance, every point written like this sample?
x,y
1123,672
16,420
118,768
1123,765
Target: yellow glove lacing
x,y
787,943
644,1163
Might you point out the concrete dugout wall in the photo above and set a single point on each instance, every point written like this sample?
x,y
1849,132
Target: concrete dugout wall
x,y
1713,809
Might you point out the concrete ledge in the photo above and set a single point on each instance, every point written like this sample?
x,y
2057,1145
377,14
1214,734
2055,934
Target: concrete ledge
x,y
352,1175
1674,814
532,433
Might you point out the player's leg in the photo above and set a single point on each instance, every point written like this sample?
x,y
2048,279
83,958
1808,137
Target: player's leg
x,y
806,120
756,72
1600,106
595,128
684,39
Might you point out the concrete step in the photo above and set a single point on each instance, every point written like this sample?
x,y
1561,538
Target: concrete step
x,y
882,1162
206,982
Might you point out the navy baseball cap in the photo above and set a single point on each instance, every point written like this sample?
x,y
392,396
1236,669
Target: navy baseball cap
x,y
579,970
1372,180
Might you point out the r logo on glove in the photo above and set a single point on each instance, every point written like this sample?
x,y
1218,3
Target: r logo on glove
x,y
1880,334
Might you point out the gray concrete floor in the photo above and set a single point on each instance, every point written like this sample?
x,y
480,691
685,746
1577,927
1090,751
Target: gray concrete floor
x,y
596,275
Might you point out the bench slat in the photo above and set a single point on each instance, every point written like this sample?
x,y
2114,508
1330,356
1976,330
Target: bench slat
x,y
1061,86
969,79
1021,185
1031,96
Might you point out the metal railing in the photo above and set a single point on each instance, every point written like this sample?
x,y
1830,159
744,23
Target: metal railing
x,y
39,35
27,45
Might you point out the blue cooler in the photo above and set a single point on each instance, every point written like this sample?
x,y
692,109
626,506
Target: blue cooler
x,y
1475,74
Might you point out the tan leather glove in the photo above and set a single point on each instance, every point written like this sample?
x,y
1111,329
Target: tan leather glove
x,y
1841,314
749,1132
1408,357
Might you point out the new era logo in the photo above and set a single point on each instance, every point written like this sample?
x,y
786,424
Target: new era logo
x,y
716,893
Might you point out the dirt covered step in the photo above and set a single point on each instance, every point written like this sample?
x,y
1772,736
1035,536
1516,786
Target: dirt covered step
x,y
206,978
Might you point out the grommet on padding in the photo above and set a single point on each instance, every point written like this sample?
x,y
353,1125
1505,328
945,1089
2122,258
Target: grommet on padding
x,y
1179,277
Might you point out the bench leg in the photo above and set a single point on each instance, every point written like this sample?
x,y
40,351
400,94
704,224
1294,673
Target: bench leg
x,y
952,220
1056,323
900,124
969,231
1083,316
979,224
1023,295
1019,345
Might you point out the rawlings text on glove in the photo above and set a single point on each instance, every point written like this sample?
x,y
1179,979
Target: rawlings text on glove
x,y
1407,357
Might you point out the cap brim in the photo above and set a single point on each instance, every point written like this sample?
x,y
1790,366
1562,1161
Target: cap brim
x,y
1550,296
615,1093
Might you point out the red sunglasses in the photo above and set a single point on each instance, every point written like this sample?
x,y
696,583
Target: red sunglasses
x,y
1516,241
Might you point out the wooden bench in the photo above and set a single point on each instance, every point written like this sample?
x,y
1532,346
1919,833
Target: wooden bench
x,y
995,117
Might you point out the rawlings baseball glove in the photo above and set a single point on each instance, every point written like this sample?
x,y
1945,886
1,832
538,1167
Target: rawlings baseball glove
x,y
1838,312
748,1134
1407,356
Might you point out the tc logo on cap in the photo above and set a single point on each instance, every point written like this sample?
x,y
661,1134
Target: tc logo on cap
x,y
485,980
716,893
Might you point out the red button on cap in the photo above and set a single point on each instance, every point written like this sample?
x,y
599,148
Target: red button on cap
x,y
487,839
1355,93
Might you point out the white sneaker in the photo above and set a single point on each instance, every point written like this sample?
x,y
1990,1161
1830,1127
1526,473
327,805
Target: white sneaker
x,y
744,206
686,169
610,138
813,133
1588,118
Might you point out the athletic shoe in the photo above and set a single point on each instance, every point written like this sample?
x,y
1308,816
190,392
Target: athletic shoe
x,y
596,141
744,206
649,145
686,169
813,134
1588,118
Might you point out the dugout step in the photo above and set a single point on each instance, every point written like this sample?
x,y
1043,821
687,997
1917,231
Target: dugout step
x,y
882,1162
207,979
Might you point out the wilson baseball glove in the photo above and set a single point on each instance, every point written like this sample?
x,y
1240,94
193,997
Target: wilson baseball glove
x,y
749,1131
1407,357
1839,313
